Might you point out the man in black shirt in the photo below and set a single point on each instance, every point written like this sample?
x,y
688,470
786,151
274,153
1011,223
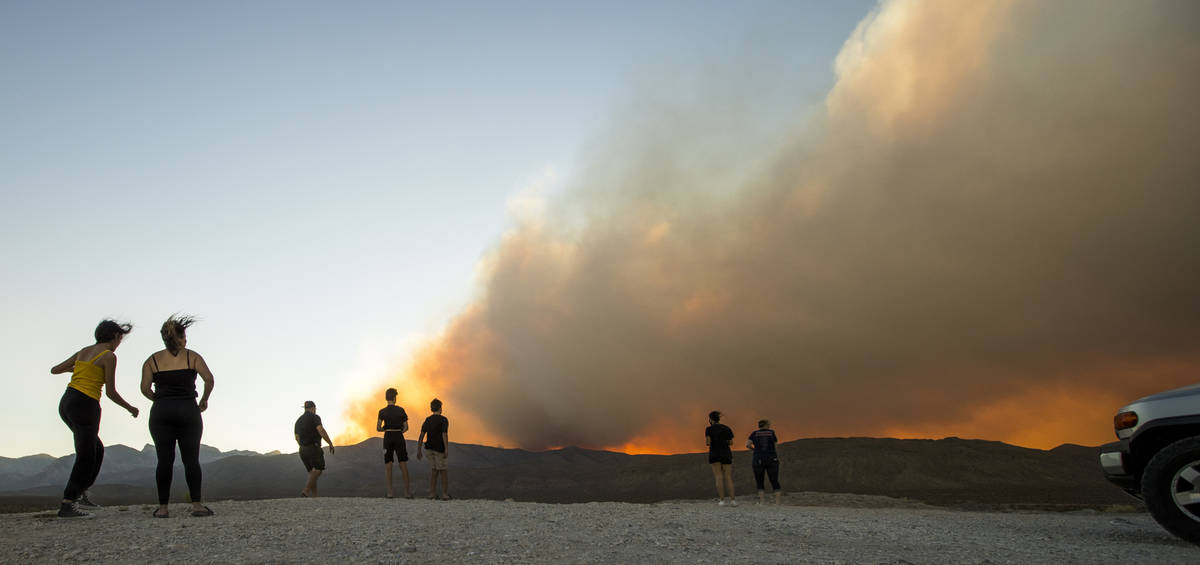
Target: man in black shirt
x,y
766,461
309,432
719,438
393,422
436,428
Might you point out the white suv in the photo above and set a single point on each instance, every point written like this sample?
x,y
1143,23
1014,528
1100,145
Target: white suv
x,y
1158,457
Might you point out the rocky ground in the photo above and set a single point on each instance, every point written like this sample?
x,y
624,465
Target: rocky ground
x,y
808,528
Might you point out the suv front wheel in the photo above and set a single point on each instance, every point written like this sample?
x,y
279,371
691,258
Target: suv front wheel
x,y
1171,488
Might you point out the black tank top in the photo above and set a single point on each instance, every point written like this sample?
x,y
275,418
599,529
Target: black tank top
x,y
176,383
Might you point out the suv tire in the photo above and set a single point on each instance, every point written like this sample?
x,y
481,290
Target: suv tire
x,y
1171,488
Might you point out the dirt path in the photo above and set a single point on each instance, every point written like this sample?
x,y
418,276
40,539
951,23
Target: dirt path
x,y
379,530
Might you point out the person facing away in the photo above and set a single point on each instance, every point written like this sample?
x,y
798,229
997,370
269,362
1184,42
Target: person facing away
x,y
719,439
393,422
91,368
763,441
169,381
435,432
309,432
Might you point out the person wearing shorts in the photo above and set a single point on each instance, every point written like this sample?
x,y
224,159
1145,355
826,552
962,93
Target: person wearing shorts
x,y
393,422
436,437
309,433
719,438
766,461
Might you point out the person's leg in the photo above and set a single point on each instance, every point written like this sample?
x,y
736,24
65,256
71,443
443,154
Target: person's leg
x,y
759,471
720,477
189,452
391,491
445,484
99,462
433,480
84,422
773,473
727,475
311,486
165,437
404,477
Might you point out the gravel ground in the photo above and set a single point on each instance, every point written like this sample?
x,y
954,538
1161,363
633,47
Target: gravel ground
x,y
855,530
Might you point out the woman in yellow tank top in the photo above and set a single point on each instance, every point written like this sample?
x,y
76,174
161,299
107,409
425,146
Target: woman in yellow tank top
x,y
91,368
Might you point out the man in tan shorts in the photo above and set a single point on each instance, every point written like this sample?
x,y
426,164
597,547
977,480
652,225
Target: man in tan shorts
x,y
435,438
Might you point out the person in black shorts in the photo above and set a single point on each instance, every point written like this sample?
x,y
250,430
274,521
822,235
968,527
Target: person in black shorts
x,y
393,422
169,380
763,441
435,433
309,432
719,438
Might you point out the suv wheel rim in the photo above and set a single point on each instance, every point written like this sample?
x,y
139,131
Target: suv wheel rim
x,y
1185,490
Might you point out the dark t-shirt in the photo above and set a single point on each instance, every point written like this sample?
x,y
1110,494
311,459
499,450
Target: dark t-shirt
x,y
306,429
719,437
433,428
393,417
764,442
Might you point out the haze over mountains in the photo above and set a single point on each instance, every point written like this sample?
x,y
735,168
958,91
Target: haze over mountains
x,y
949,471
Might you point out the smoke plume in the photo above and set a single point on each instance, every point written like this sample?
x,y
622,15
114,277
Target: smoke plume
x,y
990,230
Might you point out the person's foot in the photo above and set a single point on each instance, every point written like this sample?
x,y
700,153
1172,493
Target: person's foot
x,y
86,502
732,502
201,511
71,510
161,513
445,497
391,495
721,503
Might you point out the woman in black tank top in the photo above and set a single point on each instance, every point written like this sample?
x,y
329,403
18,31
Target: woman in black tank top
x,y
175,415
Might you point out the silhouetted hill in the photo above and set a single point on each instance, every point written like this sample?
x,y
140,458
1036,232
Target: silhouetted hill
x,y
949,471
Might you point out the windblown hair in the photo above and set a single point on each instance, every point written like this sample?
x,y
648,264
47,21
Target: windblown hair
x,y
174,330
109,330
714,416
390,395
763,423
435,405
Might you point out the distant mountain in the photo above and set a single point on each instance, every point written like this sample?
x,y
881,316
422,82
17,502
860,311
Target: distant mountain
x,y
950,471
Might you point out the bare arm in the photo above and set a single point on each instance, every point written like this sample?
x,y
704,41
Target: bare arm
x,y
421,444
207,377
147,380
379,425
404,427
109,362
321,430
66,366
445,444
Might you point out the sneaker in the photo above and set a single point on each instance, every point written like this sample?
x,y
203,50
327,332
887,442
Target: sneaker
x,y
732,502
71,510
721,503
86,502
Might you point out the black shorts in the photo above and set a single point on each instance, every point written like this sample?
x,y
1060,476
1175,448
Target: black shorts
x,y
723,459
313,457
393,443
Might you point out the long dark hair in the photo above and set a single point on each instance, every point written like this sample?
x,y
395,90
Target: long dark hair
x,y
174,330
109,330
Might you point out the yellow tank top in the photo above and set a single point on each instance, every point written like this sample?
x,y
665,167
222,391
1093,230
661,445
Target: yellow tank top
x,y
87,377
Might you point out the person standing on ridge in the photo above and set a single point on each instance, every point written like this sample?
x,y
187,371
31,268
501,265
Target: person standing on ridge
x,y
91,368
719,439
175,414
763,441
435,432
309,432
393,422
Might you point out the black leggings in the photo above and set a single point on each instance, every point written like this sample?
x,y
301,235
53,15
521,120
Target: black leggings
x,y
768,465
176,420
81,413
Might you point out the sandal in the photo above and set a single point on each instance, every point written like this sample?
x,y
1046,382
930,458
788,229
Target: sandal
x,y
157,515
201,513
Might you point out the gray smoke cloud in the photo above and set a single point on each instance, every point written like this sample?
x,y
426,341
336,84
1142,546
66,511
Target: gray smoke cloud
x,y
991,229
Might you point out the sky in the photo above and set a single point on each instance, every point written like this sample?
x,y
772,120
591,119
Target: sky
x,y
328,188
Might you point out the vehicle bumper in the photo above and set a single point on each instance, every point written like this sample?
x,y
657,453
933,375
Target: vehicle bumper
x,y
1113,460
